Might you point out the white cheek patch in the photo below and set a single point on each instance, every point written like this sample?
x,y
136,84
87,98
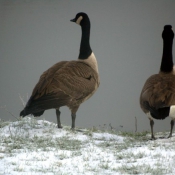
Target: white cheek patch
x,y
79,20
172,112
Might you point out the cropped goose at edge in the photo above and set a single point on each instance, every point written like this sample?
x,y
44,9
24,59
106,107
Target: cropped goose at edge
x,y
157,98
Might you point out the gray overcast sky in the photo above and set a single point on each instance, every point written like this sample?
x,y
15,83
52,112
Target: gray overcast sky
x,y
125,37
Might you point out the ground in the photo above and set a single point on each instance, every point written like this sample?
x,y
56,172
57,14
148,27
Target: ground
x,y
38,147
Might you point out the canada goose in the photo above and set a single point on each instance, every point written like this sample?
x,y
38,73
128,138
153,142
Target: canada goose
x,y
67,83
157,98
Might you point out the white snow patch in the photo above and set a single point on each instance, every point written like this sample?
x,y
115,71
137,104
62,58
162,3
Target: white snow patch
x,y
38,147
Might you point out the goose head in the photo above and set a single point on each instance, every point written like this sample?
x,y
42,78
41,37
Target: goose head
x,y
168,33
81,19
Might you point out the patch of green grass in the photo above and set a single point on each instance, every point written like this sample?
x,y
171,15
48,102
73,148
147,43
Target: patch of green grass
x,y
130,155
18,169
104,165
65,143
4,123
135,135
105,144
143,169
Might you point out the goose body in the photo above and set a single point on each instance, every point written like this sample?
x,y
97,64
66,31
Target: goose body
x,y
157,98
67,83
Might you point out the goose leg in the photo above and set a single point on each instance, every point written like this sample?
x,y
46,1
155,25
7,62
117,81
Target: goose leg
x,y
152,124
73,115
172,125
58,118
73,120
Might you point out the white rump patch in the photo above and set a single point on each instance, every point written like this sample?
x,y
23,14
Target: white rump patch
x,y
149,115
172,112
79,20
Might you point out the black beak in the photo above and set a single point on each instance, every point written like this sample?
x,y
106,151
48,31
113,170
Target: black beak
x,y
73,20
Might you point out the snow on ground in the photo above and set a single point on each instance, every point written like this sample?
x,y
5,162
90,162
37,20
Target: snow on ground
x,y
38,147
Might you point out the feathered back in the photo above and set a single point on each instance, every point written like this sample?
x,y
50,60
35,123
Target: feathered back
x,y
158,91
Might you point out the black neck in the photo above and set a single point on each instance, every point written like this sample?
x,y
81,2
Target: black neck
x,y
85,49
167,57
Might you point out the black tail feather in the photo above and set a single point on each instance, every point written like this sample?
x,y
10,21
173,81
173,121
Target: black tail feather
x,y
37,106
160,113
23,113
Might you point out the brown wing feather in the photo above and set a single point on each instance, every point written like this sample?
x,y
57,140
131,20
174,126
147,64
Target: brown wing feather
x,y
46,79
75,79
159,91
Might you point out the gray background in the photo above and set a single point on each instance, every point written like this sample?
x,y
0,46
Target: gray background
x,y
125,37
